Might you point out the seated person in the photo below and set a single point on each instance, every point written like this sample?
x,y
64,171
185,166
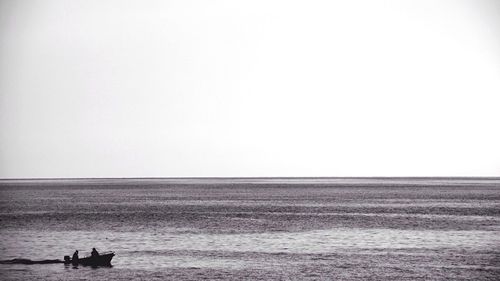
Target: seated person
x,y
94,253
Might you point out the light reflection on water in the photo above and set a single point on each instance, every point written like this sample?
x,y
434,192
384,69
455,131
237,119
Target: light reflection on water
x,y
44,244
154,251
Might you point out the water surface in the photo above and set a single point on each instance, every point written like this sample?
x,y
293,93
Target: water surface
x,y
191,229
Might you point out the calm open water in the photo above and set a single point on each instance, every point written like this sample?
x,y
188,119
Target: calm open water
x,y
269,229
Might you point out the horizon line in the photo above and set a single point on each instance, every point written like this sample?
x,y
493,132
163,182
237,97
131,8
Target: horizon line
x,y
228,178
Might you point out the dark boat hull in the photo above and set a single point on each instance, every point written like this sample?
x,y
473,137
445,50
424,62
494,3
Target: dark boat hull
x,y
101,260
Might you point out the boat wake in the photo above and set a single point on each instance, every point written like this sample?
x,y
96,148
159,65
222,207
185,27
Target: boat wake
x,y
28,261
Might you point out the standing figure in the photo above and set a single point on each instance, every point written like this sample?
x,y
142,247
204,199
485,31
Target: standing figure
x,y
74,260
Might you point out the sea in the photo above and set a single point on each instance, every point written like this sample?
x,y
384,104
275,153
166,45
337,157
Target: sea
x,y
253,228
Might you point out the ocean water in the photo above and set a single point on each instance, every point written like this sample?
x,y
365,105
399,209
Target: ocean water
x,y
247,229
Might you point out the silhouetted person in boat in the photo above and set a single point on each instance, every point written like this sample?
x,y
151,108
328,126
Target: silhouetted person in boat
x,y
74,260
94,253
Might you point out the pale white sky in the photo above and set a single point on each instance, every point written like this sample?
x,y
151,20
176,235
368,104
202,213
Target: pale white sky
x,y
249,88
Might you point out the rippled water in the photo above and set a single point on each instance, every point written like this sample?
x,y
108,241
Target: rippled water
x,y
184,229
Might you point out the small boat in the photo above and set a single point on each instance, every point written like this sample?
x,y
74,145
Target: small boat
x,y
103,259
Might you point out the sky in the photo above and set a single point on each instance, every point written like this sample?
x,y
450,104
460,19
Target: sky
x,y
215,88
